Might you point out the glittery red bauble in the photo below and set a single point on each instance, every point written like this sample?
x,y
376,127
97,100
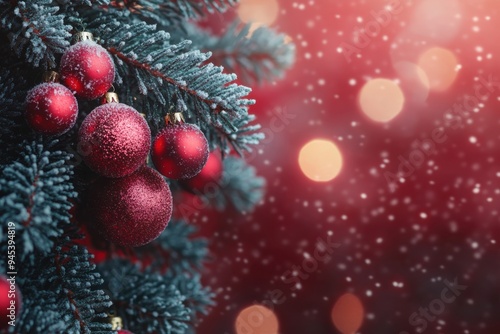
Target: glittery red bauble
x,y
123,331
10,301
131,211
51,109
180,151
208,178
87,69
114,140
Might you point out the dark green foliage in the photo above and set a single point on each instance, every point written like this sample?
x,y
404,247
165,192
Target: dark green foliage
x,y
239,188
161,10
13,129
162,290
261,55
159,74
147,301
35,194
35,31
63,294
175,249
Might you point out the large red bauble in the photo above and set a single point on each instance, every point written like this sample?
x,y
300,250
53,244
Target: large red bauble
x,y
180,151
114,140
208,178
87,69
9,295
131,211
51,109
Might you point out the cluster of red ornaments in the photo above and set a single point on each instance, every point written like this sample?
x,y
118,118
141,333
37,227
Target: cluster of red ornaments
x,y
87,70
131,204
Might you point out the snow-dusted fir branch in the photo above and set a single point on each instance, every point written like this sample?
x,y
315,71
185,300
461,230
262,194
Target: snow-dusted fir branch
x,y
71,291
239,187
35,31
193,8
166,69
197,297
162,8
261,55
83,2
35,194
12,95
170,73
146,301
175,249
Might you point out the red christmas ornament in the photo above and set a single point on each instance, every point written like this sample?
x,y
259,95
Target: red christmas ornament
x,y
123,331
87,68
208,178
115,139
180,150
51,108
10,301
131,211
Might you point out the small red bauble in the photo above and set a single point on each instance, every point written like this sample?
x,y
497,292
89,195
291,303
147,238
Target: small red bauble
x,y
123,331
87,69
10,301
131,211
180,151
114,140
209,176
51,109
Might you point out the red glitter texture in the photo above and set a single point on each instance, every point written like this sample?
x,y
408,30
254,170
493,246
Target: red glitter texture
x,y
114,140
51,109
131,211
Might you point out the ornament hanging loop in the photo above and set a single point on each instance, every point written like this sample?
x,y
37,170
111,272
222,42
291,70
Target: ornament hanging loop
x,y
110,97
174,118
116,323
51,76
83,36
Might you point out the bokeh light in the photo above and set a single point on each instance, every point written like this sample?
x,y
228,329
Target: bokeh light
x,y
256,319
320,160
259,12
348,313
437,21
440,67
413,80
381,99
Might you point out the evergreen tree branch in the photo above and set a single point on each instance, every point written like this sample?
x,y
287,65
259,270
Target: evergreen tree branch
x,y
239,186
170,74
13,129
147,302
160,9
73,301
174,249
261,55
35,31
35,194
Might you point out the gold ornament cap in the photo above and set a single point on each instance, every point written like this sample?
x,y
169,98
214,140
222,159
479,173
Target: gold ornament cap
x,y
174,118
110,97
116,323
51,76
83,36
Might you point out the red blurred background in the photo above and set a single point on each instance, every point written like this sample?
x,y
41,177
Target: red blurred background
x,y
395,247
